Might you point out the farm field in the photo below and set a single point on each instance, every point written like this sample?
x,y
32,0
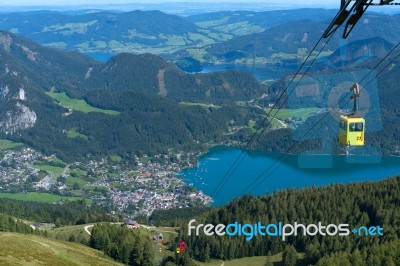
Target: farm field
x,y
37,196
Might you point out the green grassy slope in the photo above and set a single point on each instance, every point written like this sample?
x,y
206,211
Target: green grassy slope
x,y
78,105
19,249
36,196
8,144
250,261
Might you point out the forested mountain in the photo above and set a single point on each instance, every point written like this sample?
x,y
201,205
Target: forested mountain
x,y
159,78
239,22
356,53
287,40
362,204
224,36
135,31
32,59
144,31
138,92
389,92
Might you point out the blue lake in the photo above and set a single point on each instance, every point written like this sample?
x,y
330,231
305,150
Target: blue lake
x,y
213,166
102,57
260,71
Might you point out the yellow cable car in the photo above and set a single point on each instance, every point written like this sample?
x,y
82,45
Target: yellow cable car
x,y
352,127
351,130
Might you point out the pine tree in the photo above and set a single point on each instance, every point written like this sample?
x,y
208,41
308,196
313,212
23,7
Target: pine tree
x,y
148,253
124,252
183,259
289,256
268,262
136,256
207,253
57,222
312,254
356,258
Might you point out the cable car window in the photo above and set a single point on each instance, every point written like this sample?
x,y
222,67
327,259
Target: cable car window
x,y
357,127
342,125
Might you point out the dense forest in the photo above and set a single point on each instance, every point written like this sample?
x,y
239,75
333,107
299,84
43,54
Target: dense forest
x,y
126,72
122,244
382,254
10,224
63,213
133,247
176,217
359,204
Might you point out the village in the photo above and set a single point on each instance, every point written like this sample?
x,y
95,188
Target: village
x,y
131,189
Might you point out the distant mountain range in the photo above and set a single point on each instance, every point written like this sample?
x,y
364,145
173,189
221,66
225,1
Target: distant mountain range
x,y
235,22
145,31
245,37
292,40
136,31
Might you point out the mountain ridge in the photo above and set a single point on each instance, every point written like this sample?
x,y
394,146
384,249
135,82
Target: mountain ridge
x,y
287,38
126,31
126,72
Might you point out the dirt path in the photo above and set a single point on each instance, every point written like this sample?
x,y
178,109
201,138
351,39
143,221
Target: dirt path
x,y
283,124
161,83
87,229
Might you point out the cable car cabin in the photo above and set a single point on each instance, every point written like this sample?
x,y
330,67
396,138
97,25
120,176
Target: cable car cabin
x,y
351,130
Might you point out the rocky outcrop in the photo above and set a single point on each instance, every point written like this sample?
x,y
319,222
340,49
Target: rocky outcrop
x,y
18,119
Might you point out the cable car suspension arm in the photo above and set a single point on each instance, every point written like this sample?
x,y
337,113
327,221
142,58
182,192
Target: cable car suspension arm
x,y
351,14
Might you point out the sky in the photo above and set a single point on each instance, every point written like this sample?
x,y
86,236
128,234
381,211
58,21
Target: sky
x,y
97,2
182,8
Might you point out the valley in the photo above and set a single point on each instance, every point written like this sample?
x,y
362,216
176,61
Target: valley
x,y
119,127
147,184
108,122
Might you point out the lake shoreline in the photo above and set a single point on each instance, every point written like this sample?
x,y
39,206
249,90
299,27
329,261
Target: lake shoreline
x,y
213,165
